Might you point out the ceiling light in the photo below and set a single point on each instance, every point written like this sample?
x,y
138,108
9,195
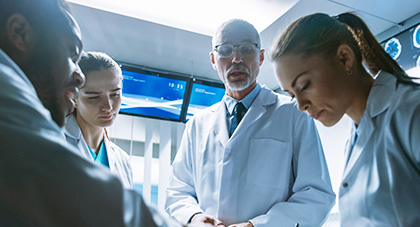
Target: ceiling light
x,y
194,15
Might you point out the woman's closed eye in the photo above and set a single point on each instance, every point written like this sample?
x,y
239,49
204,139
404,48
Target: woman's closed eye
x,y
306,86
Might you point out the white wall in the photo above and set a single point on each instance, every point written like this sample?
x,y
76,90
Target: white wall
x,y
147,132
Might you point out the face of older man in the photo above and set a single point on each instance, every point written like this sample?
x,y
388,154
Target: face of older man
x,y
238,71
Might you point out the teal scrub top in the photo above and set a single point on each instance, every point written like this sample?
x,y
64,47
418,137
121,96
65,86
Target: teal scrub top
x,y
102,156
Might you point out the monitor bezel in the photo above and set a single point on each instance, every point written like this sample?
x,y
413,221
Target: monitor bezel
x,y
398,34
199,80
164,74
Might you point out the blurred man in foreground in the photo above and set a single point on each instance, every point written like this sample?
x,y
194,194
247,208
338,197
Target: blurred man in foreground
x,y
43,182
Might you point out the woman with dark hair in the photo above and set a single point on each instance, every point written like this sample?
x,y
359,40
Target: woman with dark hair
x,y
334,66
97,106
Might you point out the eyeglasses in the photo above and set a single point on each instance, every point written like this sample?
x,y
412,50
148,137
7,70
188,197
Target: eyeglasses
x,y
246,49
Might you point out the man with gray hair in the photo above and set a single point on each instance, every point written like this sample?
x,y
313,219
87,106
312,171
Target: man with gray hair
x,y
252,159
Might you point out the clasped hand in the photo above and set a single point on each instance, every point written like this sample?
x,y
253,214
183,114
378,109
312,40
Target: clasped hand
x,y
203,220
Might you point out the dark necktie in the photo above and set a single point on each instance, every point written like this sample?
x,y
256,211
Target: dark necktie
x,y
238,113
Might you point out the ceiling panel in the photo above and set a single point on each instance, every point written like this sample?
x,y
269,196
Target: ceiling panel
x,y
198,16
145,43
159,46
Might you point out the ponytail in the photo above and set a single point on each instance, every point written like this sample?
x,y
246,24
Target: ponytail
x,y
373,54
321,34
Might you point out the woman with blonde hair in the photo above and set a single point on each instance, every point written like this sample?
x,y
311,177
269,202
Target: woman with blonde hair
x,y
97,106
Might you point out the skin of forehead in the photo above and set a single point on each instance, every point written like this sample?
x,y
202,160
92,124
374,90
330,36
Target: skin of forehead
x,y
75,29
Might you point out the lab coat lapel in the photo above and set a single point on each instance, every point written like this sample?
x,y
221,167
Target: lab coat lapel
x,y
111,154
218,120
75,137
256,111
363,138
253,114
378,102
348,148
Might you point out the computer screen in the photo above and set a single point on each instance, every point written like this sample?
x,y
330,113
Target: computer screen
x,y
203,94
153,95
405,47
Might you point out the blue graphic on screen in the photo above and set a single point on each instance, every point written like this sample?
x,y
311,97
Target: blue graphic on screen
x,y
393,48
150,95
405,47
416,37
203,96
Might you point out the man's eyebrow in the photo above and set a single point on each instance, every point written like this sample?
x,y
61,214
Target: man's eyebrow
x,y
116,89
92,92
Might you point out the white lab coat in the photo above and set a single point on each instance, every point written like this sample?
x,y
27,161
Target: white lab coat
x,y
271,171
381,181
119,161
43,182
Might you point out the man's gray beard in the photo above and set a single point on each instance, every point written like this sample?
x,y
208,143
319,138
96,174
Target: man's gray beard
x,y
239,85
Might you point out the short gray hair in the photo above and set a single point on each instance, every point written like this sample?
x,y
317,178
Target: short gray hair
x,y
235,22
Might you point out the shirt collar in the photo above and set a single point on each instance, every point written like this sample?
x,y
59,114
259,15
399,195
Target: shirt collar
x,y
5,59
247,101
382,90
71,128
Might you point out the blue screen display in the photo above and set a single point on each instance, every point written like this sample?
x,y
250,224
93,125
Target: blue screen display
x,y
150,95
203,96
405,47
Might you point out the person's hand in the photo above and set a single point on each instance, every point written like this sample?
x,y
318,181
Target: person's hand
x,y
245,224
203,218
201,224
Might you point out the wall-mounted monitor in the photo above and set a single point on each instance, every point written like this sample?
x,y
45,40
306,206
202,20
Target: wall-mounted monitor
x,y
405,48
152,94
203,94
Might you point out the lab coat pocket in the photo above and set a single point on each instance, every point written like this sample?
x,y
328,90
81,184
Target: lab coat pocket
x,y
268,161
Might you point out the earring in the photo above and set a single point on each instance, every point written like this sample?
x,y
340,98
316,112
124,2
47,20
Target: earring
x,y
349,72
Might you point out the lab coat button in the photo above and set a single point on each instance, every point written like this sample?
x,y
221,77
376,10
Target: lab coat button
x,y
345,184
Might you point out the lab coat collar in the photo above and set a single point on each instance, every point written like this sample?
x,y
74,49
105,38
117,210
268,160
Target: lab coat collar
x,y
5,59
264,98
219,122
44,124
112,156
382,90
71,128
365,132
246,101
